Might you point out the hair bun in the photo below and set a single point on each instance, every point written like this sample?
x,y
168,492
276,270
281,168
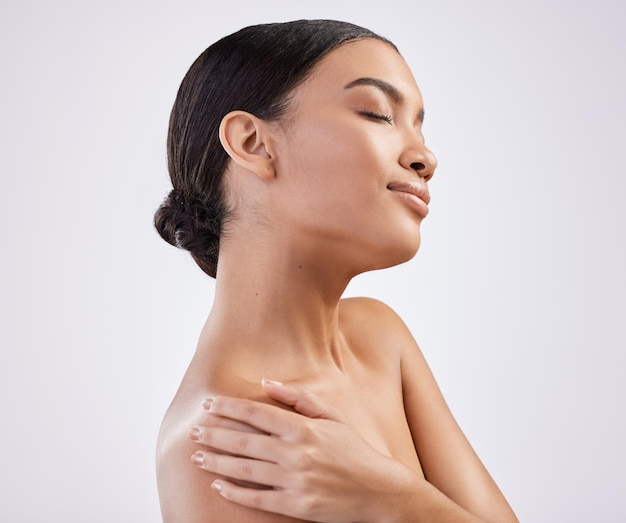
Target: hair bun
x,y
193,225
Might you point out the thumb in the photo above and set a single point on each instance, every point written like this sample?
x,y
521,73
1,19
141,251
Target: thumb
x,y
301,399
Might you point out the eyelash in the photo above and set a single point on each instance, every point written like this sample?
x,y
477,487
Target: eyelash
x,y
377,116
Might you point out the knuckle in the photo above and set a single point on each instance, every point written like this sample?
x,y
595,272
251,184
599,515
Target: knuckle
x,y
301,485
308,458
239,443
303,460
307,430
291,458
249,410
305,392
243,470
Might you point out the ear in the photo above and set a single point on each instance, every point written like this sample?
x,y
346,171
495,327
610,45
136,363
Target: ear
x,y
246,139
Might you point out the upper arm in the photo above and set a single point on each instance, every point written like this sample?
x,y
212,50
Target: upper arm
x,y
448,460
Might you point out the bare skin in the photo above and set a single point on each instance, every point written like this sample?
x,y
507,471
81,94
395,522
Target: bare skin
x,y
336,189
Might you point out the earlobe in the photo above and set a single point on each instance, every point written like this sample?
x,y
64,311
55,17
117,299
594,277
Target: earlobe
x,y
246,140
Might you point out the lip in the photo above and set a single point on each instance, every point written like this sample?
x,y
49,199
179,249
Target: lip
x,y
414,193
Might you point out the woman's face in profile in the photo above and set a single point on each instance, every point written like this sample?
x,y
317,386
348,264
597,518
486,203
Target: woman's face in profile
x,y
352,158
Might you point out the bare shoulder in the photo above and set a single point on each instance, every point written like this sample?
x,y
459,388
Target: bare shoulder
x,y
371,319
377,312
185,491
369,313
377,328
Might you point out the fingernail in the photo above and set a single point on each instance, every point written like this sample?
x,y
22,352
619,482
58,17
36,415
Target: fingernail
x,y
198,459
217,486
206,404
194,434
271,382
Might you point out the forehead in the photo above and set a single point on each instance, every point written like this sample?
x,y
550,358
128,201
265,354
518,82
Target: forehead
x,y
366,58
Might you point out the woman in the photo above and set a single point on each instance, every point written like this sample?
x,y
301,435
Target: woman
x,y
297,161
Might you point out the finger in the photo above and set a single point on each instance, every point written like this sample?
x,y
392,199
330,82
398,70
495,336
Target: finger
x,y
242,469
276,501
267,418
245,444
300,399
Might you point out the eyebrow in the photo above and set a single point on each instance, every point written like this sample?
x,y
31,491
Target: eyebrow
x,y
385,87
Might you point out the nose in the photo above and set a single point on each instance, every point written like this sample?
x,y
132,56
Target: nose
x,y
419,158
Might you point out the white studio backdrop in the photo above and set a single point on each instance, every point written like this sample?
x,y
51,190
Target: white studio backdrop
x,y
516,297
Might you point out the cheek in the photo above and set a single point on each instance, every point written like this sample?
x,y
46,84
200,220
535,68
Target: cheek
x,y
338,158
335,177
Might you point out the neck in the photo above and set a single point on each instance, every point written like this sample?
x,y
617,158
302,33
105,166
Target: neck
x,y
276,309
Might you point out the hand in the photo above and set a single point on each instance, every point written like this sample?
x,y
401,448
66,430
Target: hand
x,y
317,467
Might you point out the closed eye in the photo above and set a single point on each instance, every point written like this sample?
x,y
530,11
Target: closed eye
x,y
377,116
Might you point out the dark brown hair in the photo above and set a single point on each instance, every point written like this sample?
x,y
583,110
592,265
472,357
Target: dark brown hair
x,y
253,70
